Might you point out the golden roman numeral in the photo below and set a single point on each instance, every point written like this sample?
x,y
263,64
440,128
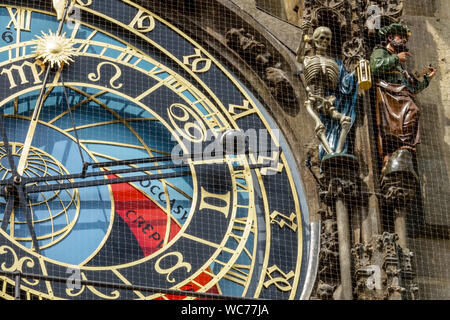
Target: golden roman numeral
x,y
241,175
275,165
20,19
238,273
245,108
211,204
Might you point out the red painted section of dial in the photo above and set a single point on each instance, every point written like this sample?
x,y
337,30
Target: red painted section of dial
x,y
148,223
201,279
146,220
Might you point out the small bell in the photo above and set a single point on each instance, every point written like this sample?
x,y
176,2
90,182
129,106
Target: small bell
x,y
364,75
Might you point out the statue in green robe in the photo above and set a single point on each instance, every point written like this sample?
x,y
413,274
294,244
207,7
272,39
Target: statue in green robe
x,y
397,112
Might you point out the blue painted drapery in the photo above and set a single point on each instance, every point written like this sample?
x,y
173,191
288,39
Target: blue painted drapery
x,y
346,99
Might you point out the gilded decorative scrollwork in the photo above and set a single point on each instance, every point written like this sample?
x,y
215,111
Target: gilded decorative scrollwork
x,y
73,293
17,264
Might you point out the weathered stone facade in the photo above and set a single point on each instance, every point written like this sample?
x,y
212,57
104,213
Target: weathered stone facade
x,y
427,225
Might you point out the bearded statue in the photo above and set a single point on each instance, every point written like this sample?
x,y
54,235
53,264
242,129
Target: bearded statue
x,y
397,112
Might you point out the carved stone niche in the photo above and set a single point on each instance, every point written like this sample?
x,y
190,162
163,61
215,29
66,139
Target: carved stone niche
x,y
328,279
262,62
337,10
356,20
383,270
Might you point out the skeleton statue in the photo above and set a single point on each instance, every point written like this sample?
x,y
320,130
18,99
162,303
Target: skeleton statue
x,y
321,73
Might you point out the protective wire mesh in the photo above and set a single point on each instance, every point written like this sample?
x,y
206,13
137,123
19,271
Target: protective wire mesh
x,y
225,149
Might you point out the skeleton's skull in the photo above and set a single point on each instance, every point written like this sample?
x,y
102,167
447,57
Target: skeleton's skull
x,y
322,38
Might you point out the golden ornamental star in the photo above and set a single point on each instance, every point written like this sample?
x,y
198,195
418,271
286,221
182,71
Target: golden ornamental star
x,y
54,49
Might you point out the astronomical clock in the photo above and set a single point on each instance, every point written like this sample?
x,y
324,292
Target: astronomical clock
x,y
135,164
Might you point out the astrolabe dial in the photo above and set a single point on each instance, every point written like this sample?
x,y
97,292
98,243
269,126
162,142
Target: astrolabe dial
x,y
54,213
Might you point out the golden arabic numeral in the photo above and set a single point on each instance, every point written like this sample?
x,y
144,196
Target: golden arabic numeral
x,y
197,63
192,128
20,19
179,263
281,281
143,22
284,220
213,201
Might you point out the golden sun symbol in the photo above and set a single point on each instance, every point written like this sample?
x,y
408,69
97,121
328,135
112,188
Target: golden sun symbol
x,y
54,49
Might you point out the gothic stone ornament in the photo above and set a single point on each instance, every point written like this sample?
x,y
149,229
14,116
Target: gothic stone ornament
x,y
327,274
368,276
256,55
399,282
388,10
321,72
317,10
383,269
353,51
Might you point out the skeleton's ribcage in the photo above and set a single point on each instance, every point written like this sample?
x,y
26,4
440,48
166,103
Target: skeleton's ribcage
x,y
321,72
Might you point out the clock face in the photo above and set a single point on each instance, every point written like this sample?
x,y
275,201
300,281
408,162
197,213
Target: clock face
x,y
139,89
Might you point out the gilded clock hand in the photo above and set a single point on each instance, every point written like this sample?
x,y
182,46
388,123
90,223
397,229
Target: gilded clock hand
x,y
38,107
18,189
66,97
12,165
9,189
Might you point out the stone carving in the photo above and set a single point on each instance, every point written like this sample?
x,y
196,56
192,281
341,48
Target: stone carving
x,y
248,47
353,51
328,273
399,282
262,61
339,188
388,10
383,269
316,10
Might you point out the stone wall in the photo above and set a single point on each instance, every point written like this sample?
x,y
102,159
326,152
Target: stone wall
x,y
429,21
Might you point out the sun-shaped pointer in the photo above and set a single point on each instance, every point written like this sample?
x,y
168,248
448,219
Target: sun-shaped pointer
x,y
54,49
